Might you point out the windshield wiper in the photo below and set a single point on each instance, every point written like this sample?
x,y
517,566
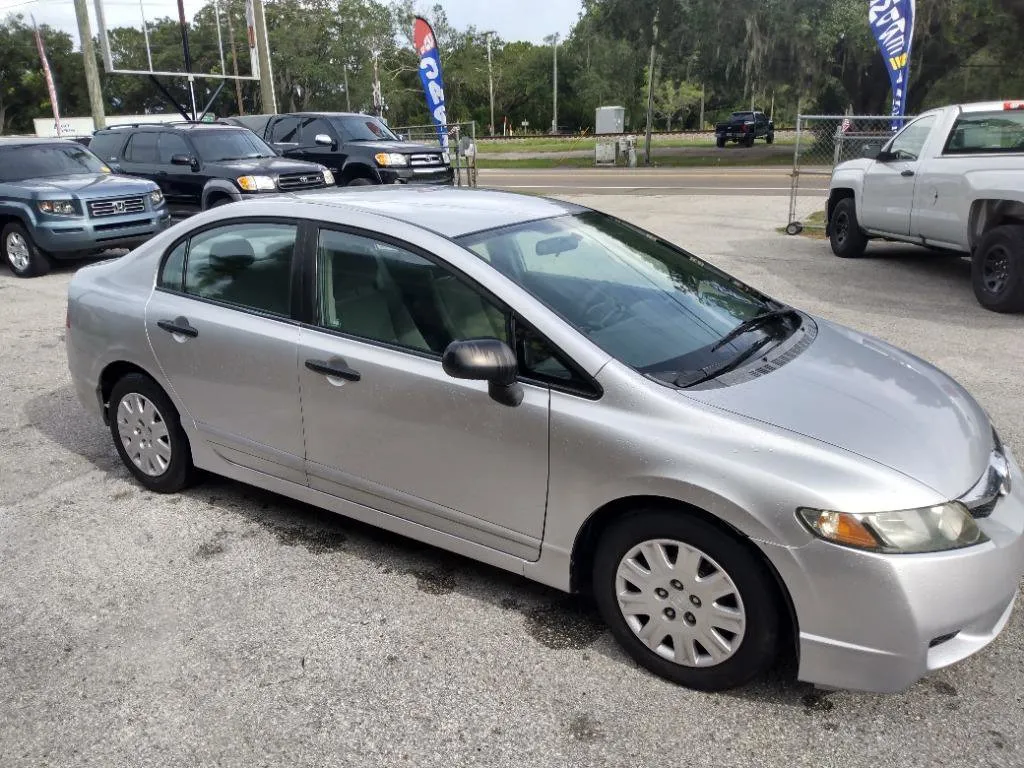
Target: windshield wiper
x,y
694,378
758,321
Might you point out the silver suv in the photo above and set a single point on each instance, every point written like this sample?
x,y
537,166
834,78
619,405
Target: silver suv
x,y
555,392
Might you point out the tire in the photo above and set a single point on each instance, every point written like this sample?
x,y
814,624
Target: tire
x,y
219,201
746,603
845,235
997,269
749,141
21,252
720,141
163,470
770,138
359,182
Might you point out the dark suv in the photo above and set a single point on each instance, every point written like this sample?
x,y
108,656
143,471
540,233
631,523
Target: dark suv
x,y
359,149
202,165
58,200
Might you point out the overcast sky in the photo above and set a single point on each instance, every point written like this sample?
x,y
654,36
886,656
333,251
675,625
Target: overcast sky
x,y
531,20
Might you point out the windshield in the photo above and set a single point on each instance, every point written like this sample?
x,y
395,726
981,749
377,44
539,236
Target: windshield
x,y
364,128
644,302
218,145
34,161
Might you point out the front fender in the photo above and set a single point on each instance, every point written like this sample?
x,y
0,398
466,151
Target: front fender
x,y
359,167
219,187
20,210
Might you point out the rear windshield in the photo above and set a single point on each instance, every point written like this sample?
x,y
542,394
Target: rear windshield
x,y
35,161
987,132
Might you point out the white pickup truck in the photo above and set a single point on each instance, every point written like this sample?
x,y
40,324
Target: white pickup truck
x,y
953,180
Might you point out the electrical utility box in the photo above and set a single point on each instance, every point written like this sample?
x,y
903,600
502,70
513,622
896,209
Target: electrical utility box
x,y
610,120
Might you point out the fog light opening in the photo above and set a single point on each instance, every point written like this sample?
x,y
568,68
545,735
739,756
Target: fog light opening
x,y
943,639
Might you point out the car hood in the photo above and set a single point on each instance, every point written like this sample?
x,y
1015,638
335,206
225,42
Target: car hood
x,y
404,147
267,165
89,185
865,396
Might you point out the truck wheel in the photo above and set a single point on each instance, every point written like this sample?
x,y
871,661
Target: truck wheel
x,y
720,141
771,138
847,239
997,269
21,253
749,141
360,182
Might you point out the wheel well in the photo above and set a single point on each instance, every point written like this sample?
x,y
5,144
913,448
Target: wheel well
x,y
112,374
356,171
989,214
214,197
589,535
833,200
8,218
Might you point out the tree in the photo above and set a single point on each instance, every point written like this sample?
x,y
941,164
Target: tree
x,y
671,99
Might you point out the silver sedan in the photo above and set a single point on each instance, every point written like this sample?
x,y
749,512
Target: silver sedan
x,y
552,391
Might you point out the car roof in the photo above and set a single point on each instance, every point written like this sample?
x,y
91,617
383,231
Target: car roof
x,y
182,126
24,141
447,211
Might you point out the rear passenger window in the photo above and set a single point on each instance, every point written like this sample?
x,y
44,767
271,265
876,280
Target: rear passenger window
x,y
384,293
142,148
106,146
248,265
174,269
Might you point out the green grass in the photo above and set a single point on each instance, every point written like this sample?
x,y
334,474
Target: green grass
x,y
569,144
814,226
669,161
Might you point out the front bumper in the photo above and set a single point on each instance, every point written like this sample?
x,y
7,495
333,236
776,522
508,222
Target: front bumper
x,y
429,175
71,237
881,622
732,135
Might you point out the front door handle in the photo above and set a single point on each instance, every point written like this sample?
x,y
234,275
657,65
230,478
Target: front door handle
x,y
180,326
336,368
908,173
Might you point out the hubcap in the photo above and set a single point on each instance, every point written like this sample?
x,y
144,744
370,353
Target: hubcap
x,y
842,226
680,603
144,435
995,270
17,251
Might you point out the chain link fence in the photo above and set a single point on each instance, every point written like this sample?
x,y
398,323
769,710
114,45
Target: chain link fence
x,y
822,142
461,146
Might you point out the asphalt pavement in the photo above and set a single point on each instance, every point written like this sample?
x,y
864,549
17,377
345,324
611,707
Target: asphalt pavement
x,y
230,627
733,182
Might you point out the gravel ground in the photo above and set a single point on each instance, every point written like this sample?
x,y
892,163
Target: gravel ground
x,y
230,627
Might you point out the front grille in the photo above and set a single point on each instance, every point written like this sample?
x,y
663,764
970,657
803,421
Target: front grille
x,y
120,225
293,181
116,206
425,159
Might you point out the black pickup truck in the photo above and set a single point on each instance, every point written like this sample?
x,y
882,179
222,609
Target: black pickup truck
x,y
358,149
744,128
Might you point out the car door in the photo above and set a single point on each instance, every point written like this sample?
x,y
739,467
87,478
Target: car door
x,y
284,136
220,325
387,428
889,182
329,155
141,158
180,180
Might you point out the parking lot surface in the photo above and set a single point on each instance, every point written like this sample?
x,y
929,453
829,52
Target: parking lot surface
x,y
230,627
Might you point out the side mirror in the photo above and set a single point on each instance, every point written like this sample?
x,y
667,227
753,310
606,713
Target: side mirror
x,y
323,140
184,160
487,360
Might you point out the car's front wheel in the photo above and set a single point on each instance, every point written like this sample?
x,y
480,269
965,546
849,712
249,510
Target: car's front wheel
x,y
847,239
686,600
21,253
997,269
148,435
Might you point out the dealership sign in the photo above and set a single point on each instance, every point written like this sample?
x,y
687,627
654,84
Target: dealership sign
x,y
892,24
430,75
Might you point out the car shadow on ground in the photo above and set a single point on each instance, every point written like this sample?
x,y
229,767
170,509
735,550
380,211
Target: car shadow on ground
x,y
556,620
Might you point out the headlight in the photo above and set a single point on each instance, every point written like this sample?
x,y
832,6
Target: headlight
x,y
931,529
328,177
256,183
391,158
446,158
156,197
58,207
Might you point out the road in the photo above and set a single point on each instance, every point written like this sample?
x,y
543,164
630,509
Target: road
x,y
744,182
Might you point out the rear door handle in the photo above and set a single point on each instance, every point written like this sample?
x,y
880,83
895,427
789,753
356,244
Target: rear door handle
x,y
908,173
336,368
179,325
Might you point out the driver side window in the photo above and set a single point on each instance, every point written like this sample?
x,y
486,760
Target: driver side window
x,y
908,144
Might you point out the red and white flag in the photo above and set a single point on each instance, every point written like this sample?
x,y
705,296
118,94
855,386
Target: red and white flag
x,y
49,76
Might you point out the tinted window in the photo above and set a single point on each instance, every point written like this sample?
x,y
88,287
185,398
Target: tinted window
x,y
285,131
174,268
142,148
249,265
37,160
107,145
169,145
380,292
215,146
644,302
314,126
909,143
364,128
987,132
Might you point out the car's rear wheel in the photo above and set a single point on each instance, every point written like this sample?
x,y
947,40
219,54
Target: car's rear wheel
x,y
749,140
720,141
845,235
21,253
148,435
771,138
997,269
686,600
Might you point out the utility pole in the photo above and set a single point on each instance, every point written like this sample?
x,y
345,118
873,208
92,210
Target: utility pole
x,y
92,73
554,78
490,78
348,100
650,90
267,96
701,126
378,96
234,63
